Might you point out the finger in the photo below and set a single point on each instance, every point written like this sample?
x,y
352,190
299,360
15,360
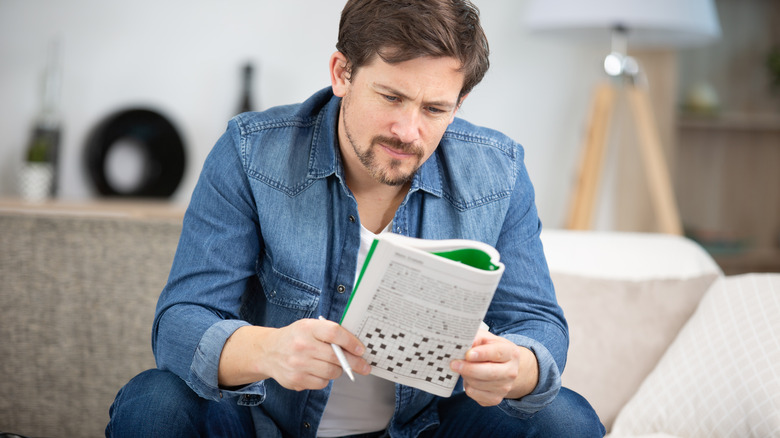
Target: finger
x,y
356,363
482,397
306,381
298,348
498,385
333,333
483,337
491,348
314,375
493,351
328,370
486,373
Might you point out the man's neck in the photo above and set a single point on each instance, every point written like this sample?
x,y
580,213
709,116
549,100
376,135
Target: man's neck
x,y
377,203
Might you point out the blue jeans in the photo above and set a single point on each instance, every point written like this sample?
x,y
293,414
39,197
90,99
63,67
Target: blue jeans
x,y
158,403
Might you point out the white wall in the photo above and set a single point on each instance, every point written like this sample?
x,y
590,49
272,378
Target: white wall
x,y
183,58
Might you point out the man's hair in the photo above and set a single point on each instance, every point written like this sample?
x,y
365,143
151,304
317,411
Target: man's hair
x,y
401,30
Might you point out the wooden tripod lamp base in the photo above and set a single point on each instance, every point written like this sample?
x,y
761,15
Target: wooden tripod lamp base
x,y
594,153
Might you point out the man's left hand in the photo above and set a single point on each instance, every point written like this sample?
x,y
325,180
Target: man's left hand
x,y
495,369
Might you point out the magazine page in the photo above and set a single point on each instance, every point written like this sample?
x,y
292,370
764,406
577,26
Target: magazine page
x,y
416,312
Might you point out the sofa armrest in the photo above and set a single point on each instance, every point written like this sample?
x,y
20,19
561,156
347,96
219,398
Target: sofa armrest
x,y
77,300
625,255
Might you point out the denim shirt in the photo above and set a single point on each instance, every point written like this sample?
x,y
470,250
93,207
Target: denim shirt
x,y
271,236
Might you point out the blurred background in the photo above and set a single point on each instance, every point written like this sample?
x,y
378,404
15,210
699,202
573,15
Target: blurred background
x,y
717,106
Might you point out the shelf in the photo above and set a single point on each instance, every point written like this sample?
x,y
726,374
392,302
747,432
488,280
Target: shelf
x,y
757,260
137,209
727,182
766,122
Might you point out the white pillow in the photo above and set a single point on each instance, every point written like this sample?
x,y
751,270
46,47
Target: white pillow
x,y
721,376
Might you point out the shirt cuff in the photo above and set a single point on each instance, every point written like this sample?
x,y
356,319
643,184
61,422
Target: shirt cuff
x,y
547,388
204,371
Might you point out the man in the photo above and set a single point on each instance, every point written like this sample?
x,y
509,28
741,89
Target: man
x,y
284,211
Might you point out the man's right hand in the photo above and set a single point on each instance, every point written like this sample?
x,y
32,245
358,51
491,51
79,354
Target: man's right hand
x,y
298,356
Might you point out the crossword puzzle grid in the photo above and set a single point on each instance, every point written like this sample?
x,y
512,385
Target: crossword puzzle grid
x,y
392,349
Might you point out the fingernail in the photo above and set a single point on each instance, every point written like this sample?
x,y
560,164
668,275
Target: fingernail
x,y
456,366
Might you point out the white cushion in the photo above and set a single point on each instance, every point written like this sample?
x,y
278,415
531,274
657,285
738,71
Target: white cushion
x,y
625,255
721,375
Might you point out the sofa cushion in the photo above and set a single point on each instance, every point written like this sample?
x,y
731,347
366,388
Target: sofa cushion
x,y
619,330
625,297
721,376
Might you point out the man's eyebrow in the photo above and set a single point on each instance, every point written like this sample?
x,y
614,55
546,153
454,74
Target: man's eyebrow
x,y
390,90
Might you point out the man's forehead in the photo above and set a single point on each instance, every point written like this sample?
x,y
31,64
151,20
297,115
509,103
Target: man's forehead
x,y
404,77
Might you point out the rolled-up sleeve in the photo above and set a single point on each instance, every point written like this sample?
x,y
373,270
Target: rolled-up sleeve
x,y
549,381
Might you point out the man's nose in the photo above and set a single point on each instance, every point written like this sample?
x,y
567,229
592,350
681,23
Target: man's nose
x,y
407,125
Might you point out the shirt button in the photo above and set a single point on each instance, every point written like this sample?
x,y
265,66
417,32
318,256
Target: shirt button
x,y
351,218
306,425
341,288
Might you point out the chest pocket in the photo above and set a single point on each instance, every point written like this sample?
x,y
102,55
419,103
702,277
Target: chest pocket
x,y
281,300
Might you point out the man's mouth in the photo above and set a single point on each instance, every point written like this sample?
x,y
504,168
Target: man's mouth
x,y
396,149
395,153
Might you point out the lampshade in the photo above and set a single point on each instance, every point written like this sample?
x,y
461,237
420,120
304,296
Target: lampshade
x,y
649,23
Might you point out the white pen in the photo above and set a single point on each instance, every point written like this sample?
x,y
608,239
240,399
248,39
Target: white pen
x,y
342,359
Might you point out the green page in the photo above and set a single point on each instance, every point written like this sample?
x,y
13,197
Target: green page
x,y
469,256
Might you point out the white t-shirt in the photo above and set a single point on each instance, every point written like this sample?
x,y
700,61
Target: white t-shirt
x,y
367,404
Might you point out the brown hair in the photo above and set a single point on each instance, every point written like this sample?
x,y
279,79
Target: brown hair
x,y
400,30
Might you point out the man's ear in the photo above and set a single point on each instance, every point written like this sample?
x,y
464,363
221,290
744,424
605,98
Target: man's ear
x,y
339,74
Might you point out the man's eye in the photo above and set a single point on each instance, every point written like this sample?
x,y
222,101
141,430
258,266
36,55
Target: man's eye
x,y
390,98
434,110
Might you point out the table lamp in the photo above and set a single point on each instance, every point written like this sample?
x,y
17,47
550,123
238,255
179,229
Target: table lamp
x,y
669,24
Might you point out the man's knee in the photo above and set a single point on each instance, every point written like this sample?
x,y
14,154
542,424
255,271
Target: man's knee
x,y
569,415
159,403
154,401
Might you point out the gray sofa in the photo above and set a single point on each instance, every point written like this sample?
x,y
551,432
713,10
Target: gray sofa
x,y
77,296
78,287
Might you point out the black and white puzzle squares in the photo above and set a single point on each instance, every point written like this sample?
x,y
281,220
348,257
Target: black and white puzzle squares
x,y
415,356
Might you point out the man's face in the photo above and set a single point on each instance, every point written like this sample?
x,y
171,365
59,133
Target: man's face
x,y
394,115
